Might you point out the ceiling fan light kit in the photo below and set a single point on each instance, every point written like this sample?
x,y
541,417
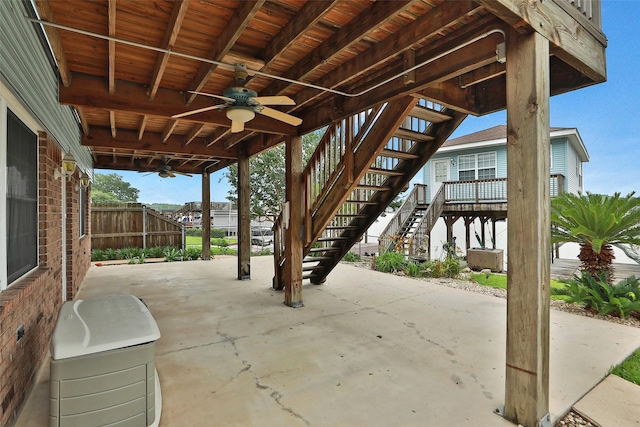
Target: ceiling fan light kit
x,y
242,104
240,114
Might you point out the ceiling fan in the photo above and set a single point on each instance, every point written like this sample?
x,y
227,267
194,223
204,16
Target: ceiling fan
x,y
242,104
164,170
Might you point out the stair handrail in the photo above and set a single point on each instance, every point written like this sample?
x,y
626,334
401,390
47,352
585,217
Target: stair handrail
x,y
420,242
416,197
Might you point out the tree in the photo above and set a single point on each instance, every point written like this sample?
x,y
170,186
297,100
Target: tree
x,y
267,176
111,188
597,223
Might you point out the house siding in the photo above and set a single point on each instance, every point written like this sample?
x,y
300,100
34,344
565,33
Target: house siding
x,y
28,88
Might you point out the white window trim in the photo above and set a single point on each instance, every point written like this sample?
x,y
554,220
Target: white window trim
x,y
475,163
9,102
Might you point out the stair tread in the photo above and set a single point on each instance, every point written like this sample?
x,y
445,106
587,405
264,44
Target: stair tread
x,y
327,249
388,172
413,135
396,154
316,259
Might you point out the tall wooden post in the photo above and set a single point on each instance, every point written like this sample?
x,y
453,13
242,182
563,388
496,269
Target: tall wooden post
x,y
293,236
528,228
244,216
206,216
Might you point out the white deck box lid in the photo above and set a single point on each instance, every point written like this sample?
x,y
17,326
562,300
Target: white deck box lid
x,y
102,324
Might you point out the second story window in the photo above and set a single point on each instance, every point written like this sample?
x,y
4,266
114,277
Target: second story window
x,y
477,166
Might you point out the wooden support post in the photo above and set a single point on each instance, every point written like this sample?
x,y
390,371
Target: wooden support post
x,y
467,222
528,145
493,232
293,236
206,216
244,215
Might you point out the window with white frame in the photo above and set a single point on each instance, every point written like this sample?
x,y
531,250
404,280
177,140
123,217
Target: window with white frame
x,y
477,166
21,198
83,211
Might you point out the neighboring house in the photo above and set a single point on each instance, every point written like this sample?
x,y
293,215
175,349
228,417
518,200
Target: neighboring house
x,y
473,169
481,158
483,155
45,228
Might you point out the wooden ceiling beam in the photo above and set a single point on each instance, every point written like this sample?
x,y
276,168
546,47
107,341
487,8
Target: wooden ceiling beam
x,y
91,92
485,73
152,142
142,126
170,36
426,26
112,123
53,35
193,133
112,47
308,16
83,120
378,14
453,64
223,44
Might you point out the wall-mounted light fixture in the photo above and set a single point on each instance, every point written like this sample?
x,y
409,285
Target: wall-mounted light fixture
x,y
84,180
453,162
67,169
68,165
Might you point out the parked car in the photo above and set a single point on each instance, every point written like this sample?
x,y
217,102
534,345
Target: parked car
x,y
261,236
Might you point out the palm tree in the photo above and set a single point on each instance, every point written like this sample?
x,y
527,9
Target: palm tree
x,y
597,222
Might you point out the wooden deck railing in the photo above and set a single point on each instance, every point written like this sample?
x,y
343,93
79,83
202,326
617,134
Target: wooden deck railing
x,y
589,9
417,196
489,190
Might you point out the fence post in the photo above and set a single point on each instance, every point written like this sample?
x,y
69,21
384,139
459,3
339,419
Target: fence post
x,y
144,227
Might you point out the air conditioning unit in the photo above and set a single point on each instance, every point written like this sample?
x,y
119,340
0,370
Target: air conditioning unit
x,y
103,364
492,259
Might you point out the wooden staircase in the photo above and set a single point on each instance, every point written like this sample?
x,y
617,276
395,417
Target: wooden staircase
x,y
360,165
399,233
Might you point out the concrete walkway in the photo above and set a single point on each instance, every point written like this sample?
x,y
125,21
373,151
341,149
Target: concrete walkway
x,y
368,349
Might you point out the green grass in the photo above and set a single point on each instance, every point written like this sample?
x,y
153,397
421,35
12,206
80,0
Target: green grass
x,y
629,369
500,281
197,240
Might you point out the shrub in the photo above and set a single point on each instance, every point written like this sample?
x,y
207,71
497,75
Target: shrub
x,y
98,255
596,295
172,254
192,253
351,257
449,268
390,262
196,232
218,233
137,260
413,270
155,252
111,254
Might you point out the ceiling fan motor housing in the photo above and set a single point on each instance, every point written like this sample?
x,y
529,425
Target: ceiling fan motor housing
x,y
240,94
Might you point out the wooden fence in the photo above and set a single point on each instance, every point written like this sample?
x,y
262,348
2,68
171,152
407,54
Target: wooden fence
x,y
132,225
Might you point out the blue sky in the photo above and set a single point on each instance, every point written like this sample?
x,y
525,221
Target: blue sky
x,y
606,115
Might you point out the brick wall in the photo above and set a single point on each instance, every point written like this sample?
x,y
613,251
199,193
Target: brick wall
x,y
78,247
34,300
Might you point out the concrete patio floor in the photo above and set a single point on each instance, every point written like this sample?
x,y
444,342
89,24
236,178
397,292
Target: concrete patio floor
x,y
368,349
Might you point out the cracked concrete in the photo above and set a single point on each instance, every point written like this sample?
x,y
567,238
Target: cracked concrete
x,y
368,349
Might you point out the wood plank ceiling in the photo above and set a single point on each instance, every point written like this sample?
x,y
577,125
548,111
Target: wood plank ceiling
x,y
128,66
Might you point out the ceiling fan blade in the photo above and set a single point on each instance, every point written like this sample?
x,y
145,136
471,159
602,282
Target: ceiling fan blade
x,y
199,110
183,173
171,175
273,100
226,98
279,115
237,126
